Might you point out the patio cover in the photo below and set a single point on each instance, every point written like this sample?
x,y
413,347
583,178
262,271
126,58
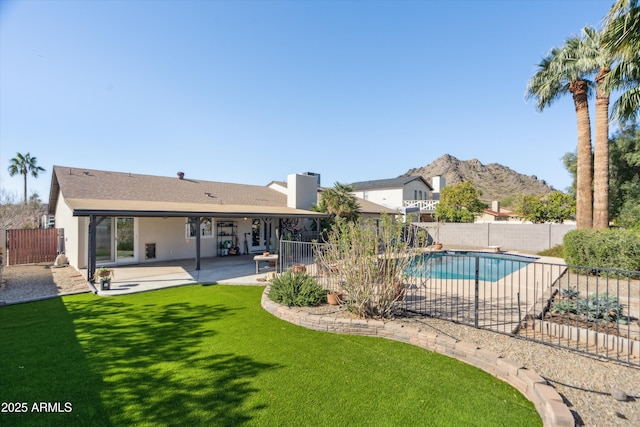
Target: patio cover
x,y
140,208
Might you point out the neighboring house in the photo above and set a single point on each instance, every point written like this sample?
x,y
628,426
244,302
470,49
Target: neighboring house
x,y
121,218
498,214
368,209
406,194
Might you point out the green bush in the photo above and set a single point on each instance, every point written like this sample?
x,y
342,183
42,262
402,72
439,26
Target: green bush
x,y
555,251
603,248
297,290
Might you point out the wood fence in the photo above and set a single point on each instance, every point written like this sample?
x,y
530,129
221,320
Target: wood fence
x,y
32,246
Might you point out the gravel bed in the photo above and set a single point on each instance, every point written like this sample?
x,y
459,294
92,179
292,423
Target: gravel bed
x,y
586,383
22,283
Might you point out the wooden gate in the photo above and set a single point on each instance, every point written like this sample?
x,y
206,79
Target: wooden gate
x,y
32,246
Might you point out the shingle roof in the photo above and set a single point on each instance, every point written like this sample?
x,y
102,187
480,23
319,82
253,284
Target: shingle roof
x,y
90,189
388,183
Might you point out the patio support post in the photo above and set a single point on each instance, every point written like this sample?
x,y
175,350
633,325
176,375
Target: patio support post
x,y
91,263
267,231
196,221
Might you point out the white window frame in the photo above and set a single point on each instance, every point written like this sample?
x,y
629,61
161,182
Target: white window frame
x,y
206,229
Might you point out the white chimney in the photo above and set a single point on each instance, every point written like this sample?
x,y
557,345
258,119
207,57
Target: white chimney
x,y
438,182
495,206
302,191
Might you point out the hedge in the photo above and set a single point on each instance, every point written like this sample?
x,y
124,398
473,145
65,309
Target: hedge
x,y
614,248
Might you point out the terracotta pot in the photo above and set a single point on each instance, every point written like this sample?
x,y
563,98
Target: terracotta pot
x,y
298,268
438,246
334,298
265,253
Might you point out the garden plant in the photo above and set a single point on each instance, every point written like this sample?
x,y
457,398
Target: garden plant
x,y
369,262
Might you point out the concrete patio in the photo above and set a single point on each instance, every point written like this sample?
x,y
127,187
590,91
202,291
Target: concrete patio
x,y
133,278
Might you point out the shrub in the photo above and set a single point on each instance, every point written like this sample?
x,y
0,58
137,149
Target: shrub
x,y
556,252
602,306
614,248
564,306
297,290
369,261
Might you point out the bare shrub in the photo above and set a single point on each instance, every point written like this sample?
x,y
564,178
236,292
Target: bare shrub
x,y
370,261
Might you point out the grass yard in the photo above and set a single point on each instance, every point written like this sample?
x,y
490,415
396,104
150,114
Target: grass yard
x,y
211,356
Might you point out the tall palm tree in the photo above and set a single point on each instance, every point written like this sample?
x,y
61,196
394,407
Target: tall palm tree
x,y
592,57
622,37
555,78
24,164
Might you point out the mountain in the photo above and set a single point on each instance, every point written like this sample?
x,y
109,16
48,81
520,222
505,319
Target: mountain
x,y
494,180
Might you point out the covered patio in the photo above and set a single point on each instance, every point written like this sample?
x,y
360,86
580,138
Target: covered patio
x,y
240,269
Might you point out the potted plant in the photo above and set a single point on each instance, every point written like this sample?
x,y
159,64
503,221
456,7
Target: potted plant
x,y
299,268
334,297
103,275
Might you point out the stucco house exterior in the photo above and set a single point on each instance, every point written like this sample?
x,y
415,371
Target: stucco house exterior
x,y
117,218
411,195
498,214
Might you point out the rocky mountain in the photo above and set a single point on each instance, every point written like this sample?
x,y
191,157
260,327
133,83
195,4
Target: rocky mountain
x,y
494,180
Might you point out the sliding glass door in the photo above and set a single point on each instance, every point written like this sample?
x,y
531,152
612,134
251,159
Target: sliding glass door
x,y
115,240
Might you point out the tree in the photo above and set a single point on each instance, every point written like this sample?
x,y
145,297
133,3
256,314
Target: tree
x,y
554,207
559,207
338,202
593,57
18,215
625,177
459,203
530,208
622,37
570,161
24,164
557,76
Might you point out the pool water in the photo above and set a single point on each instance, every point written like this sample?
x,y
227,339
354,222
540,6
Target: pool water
x,y
462,265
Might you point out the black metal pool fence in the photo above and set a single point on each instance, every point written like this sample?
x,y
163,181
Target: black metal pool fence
x,y
586,309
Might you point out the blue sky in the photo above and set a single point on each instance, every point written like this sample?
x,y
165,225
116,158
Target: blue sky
x,y
251,91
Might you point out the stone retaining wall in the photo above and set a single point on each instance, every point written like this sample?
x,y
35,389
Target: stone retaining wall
x,y
548,403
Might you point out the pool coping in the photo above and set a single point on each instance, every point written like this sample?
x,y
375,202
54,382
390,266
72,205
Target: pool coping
x,y
547,401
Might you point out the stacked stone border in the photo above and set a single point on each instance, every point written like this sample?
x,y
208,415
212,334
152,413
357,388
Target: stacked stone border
x,y
549,404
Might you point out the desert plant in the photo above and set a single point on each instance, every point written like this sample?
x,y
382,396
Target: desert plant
x,y
369,262
296,290
600,307
563,307
570,293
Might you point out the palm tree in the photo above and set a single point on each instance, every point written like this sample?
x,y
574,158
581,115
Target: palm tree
x,y
622,36
338,201
24,164
556,77
591,56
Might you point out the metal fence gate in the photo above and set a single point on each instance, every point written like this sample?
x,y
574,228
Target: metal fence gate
x,y
586,309
30,246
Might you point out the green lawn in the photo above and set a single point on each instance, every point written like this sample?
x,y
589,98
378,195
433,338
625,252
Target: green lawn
x,y
209,355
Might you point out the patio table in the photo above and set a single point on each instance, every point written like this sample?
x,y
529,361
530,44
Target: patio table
x,y
259,258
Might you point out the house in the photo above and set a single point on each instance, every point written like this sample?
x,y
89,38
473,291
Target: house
x,y
118,218
368,209
498,214
407,194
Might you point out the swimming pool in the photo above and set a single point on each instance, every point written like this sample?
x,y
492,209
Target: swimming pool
x,y
462,265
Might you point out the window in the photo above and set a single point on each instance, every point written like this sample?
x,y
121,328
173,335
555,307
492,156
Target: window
x,y
206,228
